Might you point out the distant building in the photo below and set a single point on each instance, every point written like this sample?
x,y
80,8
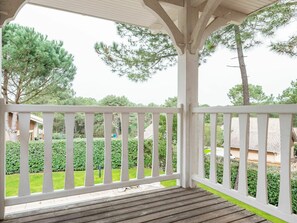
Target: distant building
x,y
149,132
35,131
273,140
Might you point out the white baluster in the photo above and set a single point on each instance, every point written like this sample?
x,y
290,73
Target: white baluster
x,y
125,164
24,126
140,156
227,139
155,164
89,128
2,155
244,137
262,161
285,194
169,121
48,120
213,146
69,173
201,171
107,149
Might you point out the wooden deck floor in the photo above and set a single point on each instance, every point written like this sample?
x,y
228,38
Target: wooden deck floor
x,y
165,205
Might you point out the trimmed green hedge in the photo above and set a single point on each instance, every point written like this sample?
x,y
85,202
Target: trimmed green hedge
x,y
273,181
36,155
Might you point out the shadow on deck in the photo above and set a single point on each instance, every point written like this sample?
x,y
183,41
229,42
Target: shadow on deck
x,y
165,205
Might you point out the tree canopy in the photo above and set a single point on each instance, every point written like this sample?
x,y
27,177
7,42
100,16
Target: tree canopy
x,y
143,53
288,47
257,95
289,95
34,68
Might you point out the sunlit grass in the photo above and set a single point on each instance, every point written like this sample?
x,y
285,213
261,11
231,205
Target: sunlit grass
x,y
36,180
243,205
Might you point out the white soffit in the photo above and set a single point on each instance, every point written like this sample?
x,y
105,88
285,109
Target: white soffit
x,y
134,12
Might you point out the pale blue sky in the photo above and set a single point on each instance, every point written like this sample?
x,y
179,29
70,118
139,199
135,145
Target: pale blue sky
x,y
94,78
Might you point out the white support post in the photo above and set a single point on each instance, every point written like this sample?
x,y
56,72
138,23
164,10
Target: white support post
x,y
1,74
188,96
188,36
2,159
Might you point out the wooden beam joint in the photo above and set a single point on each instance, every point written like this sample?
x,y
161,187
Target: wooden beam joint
x,y
197,34
176,35
9,9
180,3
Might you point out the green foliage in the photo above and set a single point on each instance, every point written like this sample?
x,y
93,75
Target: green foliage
x,y
295,150
273,180
58,180
220,136
34,68
171,102
288,47
144,53
289,95
257,95
220,169
112,100
36,154
265,22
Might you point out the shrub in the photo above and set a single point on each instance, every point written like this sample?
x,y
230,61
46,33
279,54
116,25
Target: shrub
x,y
273,180
36,155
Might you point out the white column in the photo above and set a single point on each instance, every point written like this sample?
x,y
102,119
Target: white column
x,y
2,140
2,160
1,74
188,97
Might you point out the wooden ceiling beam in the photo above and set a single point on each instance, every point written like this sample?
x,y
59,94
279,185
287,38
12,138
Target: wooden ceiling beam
x,y
216,24
229,14
176,35
9,9
180,3
196,3
202,22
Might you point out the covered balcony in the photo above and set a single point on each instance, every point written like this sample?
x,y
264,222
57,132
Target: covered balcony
x,y
189,23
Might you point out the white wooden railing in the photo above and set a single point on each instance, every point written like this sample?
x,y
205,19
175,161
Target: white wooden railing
x,y
285,112
48,192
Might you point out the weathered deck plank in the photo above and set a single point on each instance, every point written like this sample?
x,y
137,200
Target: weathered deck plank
x,y
167,205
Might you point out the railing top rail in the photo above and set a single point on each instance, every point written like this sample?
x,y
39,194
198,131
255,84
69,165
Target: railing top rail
x,y
86,109
259,109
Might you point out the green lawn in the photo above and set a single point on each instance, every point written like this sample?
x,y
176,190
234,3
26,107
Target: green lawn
x,y
243,205
12,181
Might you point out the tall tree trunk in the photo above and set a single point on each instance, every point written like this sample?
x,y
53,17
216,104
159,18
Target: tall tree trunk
x,y
243,72
13,128
244,78
5,96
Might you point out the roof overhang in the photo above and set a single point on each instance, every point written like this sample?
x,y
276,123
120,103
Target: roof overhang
x,y
198,18
134,12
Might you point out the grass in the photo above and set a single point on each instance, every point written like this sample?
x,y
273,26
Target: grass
x,y
12,182
36,180
243,205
